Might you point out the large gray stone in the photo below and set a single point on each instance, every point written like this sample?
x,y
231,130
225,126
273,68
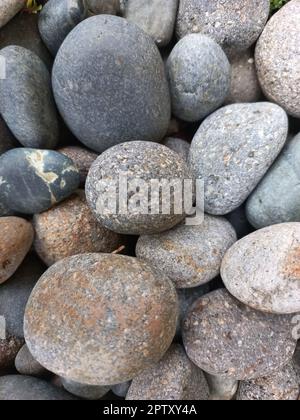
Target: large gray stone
x,y
8,9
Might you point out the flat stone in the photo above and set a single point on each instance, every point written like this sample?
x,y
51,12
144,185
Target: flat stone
x,y
226,338
87,392
189,255
262,269
33,180
199,76
233,149
25,363
120,390
9,348
82,158
26,100
175,377
100,319
180,146
277,58
221,389
8,9
112,91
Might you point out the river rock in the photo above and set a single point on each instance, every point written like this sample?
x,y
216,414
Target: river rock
x,y
221,389
87,392
180,146
26,101
120,390
111,91
9,348
277,58
26,364
8,9
82,159
233,149
100,329
226,338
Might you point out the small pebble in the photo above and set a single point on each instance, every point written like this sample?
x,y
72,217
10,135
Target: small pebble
x,y
8,9
180,146
87,392
26,364
9,348
82,158
221,389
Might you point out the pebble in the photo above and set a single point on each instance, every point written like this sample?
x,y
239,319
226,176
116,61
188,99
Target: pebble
x,y
277,197
235,25
100,329
180,146
226,338
189,255
199,76
7,140
8,9
26,100
33,180
262,269
87,392
156,18
107,7
9,348
16,237
70,228
233,149
25,363
175,377
82,159
277,58
221,389
120,390
144,161
111,91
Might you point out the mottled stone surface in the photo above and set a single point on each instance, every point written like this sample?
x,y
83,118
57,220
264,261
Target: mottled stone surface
x,y
7,140
82,158
33,180
156,18
120,390
189,255
88,392
110,85
26,101
235,25
8,9
180,146
100,319
175,377
16,237
9,348
137,161
262,269
26,364
277,58
233,149
221,389
226,338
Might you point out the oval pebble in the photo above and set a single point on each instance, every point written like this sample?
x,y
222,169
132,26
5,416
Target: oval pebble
x,y
82,159
9,348
8,9
25,363
87,392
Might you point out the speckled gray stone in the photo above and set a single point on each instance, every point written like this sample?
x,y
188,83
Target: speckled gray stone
x,y
7,140
82,158
235,25
110,85
221,389
280,386
26,364
87,392
226,338
8,9
175,377
26,101
262,270
180,146
33,180
120,390
100,319
277,58
156,18
137,161
199,76
189,255
233,149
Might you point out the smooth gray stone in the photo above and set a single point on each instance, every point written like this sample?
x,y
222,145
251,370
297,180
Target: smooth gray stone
x,y
26,101
27,365
221,389
199,76
120,390
110,85
233,149
277,197
88,392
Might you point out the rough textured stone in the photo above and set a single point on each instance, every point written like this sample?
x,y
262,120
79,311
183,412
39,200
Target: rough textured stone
x,y
180,146
88,392
9,348
27,365
235,25
189,255
262,269
233,149
175,377
110,85
16,237
82,159
156,18
7,140
26,101
100,319
8,9
221,389
226,338
137,161
33,180
120,390
199,76
277,197
277,58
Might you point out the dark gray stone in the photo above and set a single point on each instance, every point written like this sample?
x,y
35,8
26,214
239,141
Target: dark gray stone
x,y
9,347
110,85
239,221
88,392
180,146
27,365
120,390
7,140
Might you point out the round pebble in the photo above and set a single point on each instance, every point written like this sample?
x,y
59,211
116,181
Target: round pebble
x,y
8,9
221,389
82,159
100,319
9,348
180,146
87,392
25,363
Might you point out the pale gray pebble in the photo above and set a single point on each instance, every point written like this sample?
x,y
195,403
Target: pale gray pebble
x,y
111,91
180,146
277,197
175,377
221,389
233,149
120,390
87,392
26,364
262,270
199,76
156,18
189,255
8,9
226,338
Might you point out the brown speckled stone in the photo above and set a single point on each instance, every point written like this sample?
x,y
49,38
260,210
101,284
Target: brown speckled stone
x,y
175,377
27,365
226,338
9,348
100,319
70,228
82,158
16,237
